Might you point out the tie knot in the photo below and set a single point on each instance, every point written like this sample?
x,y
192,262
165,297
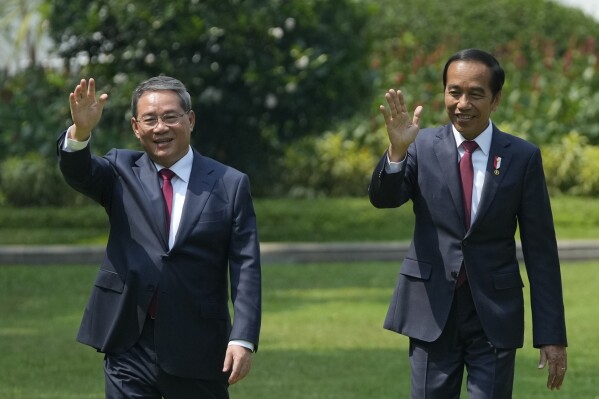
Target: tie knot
x,y
166,174
469,146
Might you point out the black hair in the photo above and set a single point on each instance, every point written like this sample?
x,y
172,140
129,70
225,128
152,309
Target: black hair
x,y
476,55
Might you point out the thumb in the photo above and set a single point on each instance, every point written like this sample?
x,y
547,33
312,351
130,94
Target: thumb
x,y
102,100
542,360
417,114
228,362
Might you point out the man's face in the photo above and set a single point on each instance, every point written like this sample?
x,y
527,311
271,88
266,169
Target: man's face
x,y
469,100
163,127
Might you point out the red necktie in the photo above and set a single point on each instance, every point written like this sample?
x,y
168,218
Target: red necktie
x,y
467,177
167,192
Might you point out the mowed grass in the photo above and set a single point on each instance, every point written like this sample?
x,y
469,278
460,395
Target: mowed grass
x,y
322,335
279,220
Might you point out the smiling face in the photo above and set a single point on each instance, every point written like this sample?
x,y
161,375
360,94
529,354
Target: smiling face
x,y
469,100
164,143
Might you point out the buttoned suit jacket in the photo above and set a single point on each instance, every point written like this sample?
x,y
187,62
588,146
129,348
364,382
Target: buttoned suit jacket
x,y
513,196
216,249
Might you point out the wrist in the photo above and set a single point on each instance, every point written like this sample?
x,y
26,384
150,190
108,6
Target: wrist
x,y
396,153
77,134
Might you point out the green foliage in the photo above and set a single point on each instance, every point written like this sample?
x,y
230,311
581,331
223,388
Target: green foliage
x,y
337,163
32,181
33,109
549,54
571,166
261,74
282,88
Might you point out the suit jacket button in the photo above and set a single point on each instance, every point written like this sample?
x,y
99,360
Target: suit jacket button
x,y
454,274
150,287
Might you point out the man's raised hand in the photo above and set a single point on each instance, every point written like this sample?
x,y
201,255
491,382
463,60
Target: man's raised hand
x,y
85,109
402,129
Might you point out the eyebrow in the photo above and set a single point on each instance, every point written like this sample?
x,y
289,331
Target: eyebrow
x,y
473,89
154,114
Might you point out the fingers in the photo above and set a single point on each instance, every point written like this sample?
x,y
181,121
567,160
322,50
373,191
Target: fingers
x,y
386,115
417,113
556,376
79,91
398,109
556,358
85,93
228,362
396,102
238,361
86,110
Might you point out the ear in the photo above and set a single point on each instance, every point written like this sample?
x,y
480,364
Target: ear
x,y
496,101
135,127
192,119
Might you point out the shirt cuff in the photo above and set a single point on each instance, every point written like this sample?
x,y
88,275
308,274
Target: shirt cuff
x,y
240,342
71,145
394,167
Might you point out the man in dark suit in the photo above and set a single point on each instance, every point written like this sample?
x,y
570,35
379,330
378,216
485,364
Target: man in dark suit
x,y
159,306
459,292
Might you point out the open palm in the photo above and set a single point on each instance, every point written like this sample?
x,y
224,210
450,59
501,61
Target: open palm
x,y
402,129
85,109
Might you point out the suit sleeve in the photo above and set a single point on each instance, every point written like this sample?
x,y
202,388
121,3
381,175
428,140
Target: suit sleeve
x,y
84,172
244,268
390,190
539,247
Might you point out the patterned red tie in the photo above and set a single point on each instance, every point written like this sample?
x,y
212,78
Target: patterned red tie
x,y
467,177
167,192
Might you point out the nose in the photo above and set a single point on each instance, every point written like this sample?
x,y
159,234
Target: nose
x,y
463,101
160,125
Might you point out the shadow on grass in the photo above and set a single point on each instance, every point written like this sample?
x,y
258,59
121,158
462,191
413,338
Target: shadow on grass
x,y
334,374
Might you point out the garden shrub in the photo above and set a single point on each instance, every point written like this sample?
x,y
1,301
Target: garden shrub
x,y
33,180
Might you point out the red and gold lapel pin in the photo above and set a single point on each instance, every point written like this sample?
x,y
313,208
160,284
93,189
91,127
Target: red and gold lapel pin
x,y
497,165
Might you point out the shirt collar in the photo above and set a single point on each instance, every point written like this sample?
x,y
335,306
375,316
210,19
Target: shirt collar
x,y
182,167
483,140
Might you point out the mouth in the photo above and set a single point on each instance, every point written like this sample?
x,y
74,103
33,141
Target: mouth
x,y
464,118
162,142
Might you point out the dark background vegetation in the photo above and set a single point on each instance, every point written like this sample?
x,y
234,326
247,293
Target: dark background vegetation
x,y
288,91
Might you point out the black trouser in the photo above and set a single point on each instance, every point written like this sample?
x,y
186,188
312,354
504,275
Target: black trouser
x,y
438,367
135,374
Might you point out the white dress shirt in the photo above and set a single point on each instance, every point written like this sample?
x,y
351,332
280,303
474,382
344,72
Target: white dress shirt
x,y
182,170
480,158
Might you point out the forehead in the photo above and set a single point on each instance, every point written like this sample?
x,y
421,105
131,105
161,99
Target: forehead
x,y
163,100
469,74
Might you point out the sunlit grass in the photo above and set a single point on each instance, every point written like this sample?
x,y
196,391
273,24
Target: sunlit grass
x,y
322,335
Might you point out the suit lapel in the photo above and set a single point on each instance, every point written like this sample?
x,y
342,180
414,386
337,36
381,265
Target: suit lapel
x,y
147,175
499,148
201,183
445,149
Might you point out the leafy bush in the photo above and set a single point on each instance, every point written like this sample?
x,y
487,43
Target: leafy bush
x,y
33,109
264,75
34,181
571,166
261,73
549,53
338,163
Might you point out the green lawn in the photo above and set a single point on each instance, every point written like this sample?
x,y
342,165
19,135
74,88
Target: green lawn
x,y
279,220
321,336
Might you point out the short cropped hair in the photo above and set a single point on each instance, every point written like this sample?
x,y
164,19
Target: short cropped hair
x,y
476,55
161,83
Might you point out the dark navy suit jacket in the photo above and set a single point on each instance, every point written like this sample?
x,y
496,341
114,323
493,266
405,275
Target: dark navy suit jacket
x,y
216,249
515,197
